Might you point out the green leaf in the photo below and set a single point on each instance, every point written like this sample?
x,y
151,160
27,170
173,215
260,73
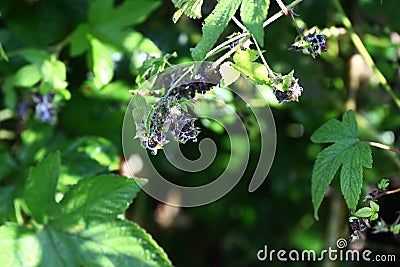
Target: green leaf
x,y
40,188
114,243
383,184
86,156
256,72
214,25
54,75
191,8
346,152
253,13
374,216
3,54
79,40
365,212
395,229
103,65
27,76
374,206
101,197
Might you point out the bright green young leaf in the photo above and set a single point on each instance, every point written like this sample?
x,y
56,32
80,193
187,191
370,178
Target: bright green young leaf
x,y
383,184
214,25
374,206
395,229
103,65
54,75
3,54
40,188
244,62
346,152
365,212
374,216
253,13
95,198
27,76
191,8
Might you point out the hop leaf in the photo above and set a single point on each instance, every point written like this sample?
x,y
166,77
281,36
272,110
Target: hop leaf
x,y
346,152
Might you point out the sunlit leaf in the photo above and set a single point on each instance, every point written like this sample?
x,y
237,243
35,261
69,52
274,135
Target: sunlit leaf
x,y
214,25
191,8
253,13
40,188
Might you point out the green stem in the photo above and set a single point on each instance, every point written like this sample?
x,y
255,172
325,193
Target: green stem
x,y
364,53
246,35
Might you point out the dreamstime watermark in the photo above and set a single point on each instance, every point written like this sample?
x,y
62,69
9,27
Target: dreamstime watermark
x,y
215,109
340,253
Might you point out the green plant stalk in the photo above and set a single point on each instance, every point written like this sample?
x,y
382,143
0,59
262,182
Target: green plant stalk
x,y
382,146
364,53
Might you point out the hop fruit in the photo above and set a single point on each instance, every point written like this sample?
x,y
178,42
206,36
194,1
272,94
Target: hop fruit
x,y
311,43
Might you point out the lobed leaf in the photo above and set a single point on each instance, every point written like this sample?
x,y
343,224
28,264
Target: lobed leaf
x,y
191,8
214,25
346,152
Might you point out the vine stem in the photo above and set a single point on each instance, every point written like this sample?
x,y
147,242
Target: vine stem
x,y
394,191
382,146
246,35
270,72
364,53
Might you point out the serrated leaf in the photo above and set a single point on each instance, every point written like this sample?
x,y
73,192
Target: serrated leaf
x,y
374,217
346,152
40,188
335,131
191,8
100,197
214,25
86,156
27,76
255,71
365,212
253,13
114,243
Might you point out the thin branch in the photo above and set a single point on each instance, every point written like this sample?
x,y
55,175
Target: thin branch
x,y
382,146
226,43
239,24
246,35
384,193
270,72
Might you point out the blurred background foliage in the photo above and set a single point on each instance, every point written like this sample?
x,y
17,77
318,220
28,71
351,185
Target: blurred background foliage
x,y
88,53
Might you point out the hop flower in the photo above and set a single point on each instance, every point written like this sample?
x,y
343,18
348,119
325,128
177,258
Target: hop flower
x,y
168,115
311,43
286,88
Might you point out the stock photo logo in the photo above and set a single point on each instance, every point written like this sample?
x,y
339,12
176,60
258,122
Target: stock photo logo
x,y
171,109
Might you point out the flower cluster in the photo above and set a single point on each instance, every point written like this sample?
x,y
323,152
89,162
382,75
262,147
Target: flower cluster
x,y
286,88
311,43
45,110
169,115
